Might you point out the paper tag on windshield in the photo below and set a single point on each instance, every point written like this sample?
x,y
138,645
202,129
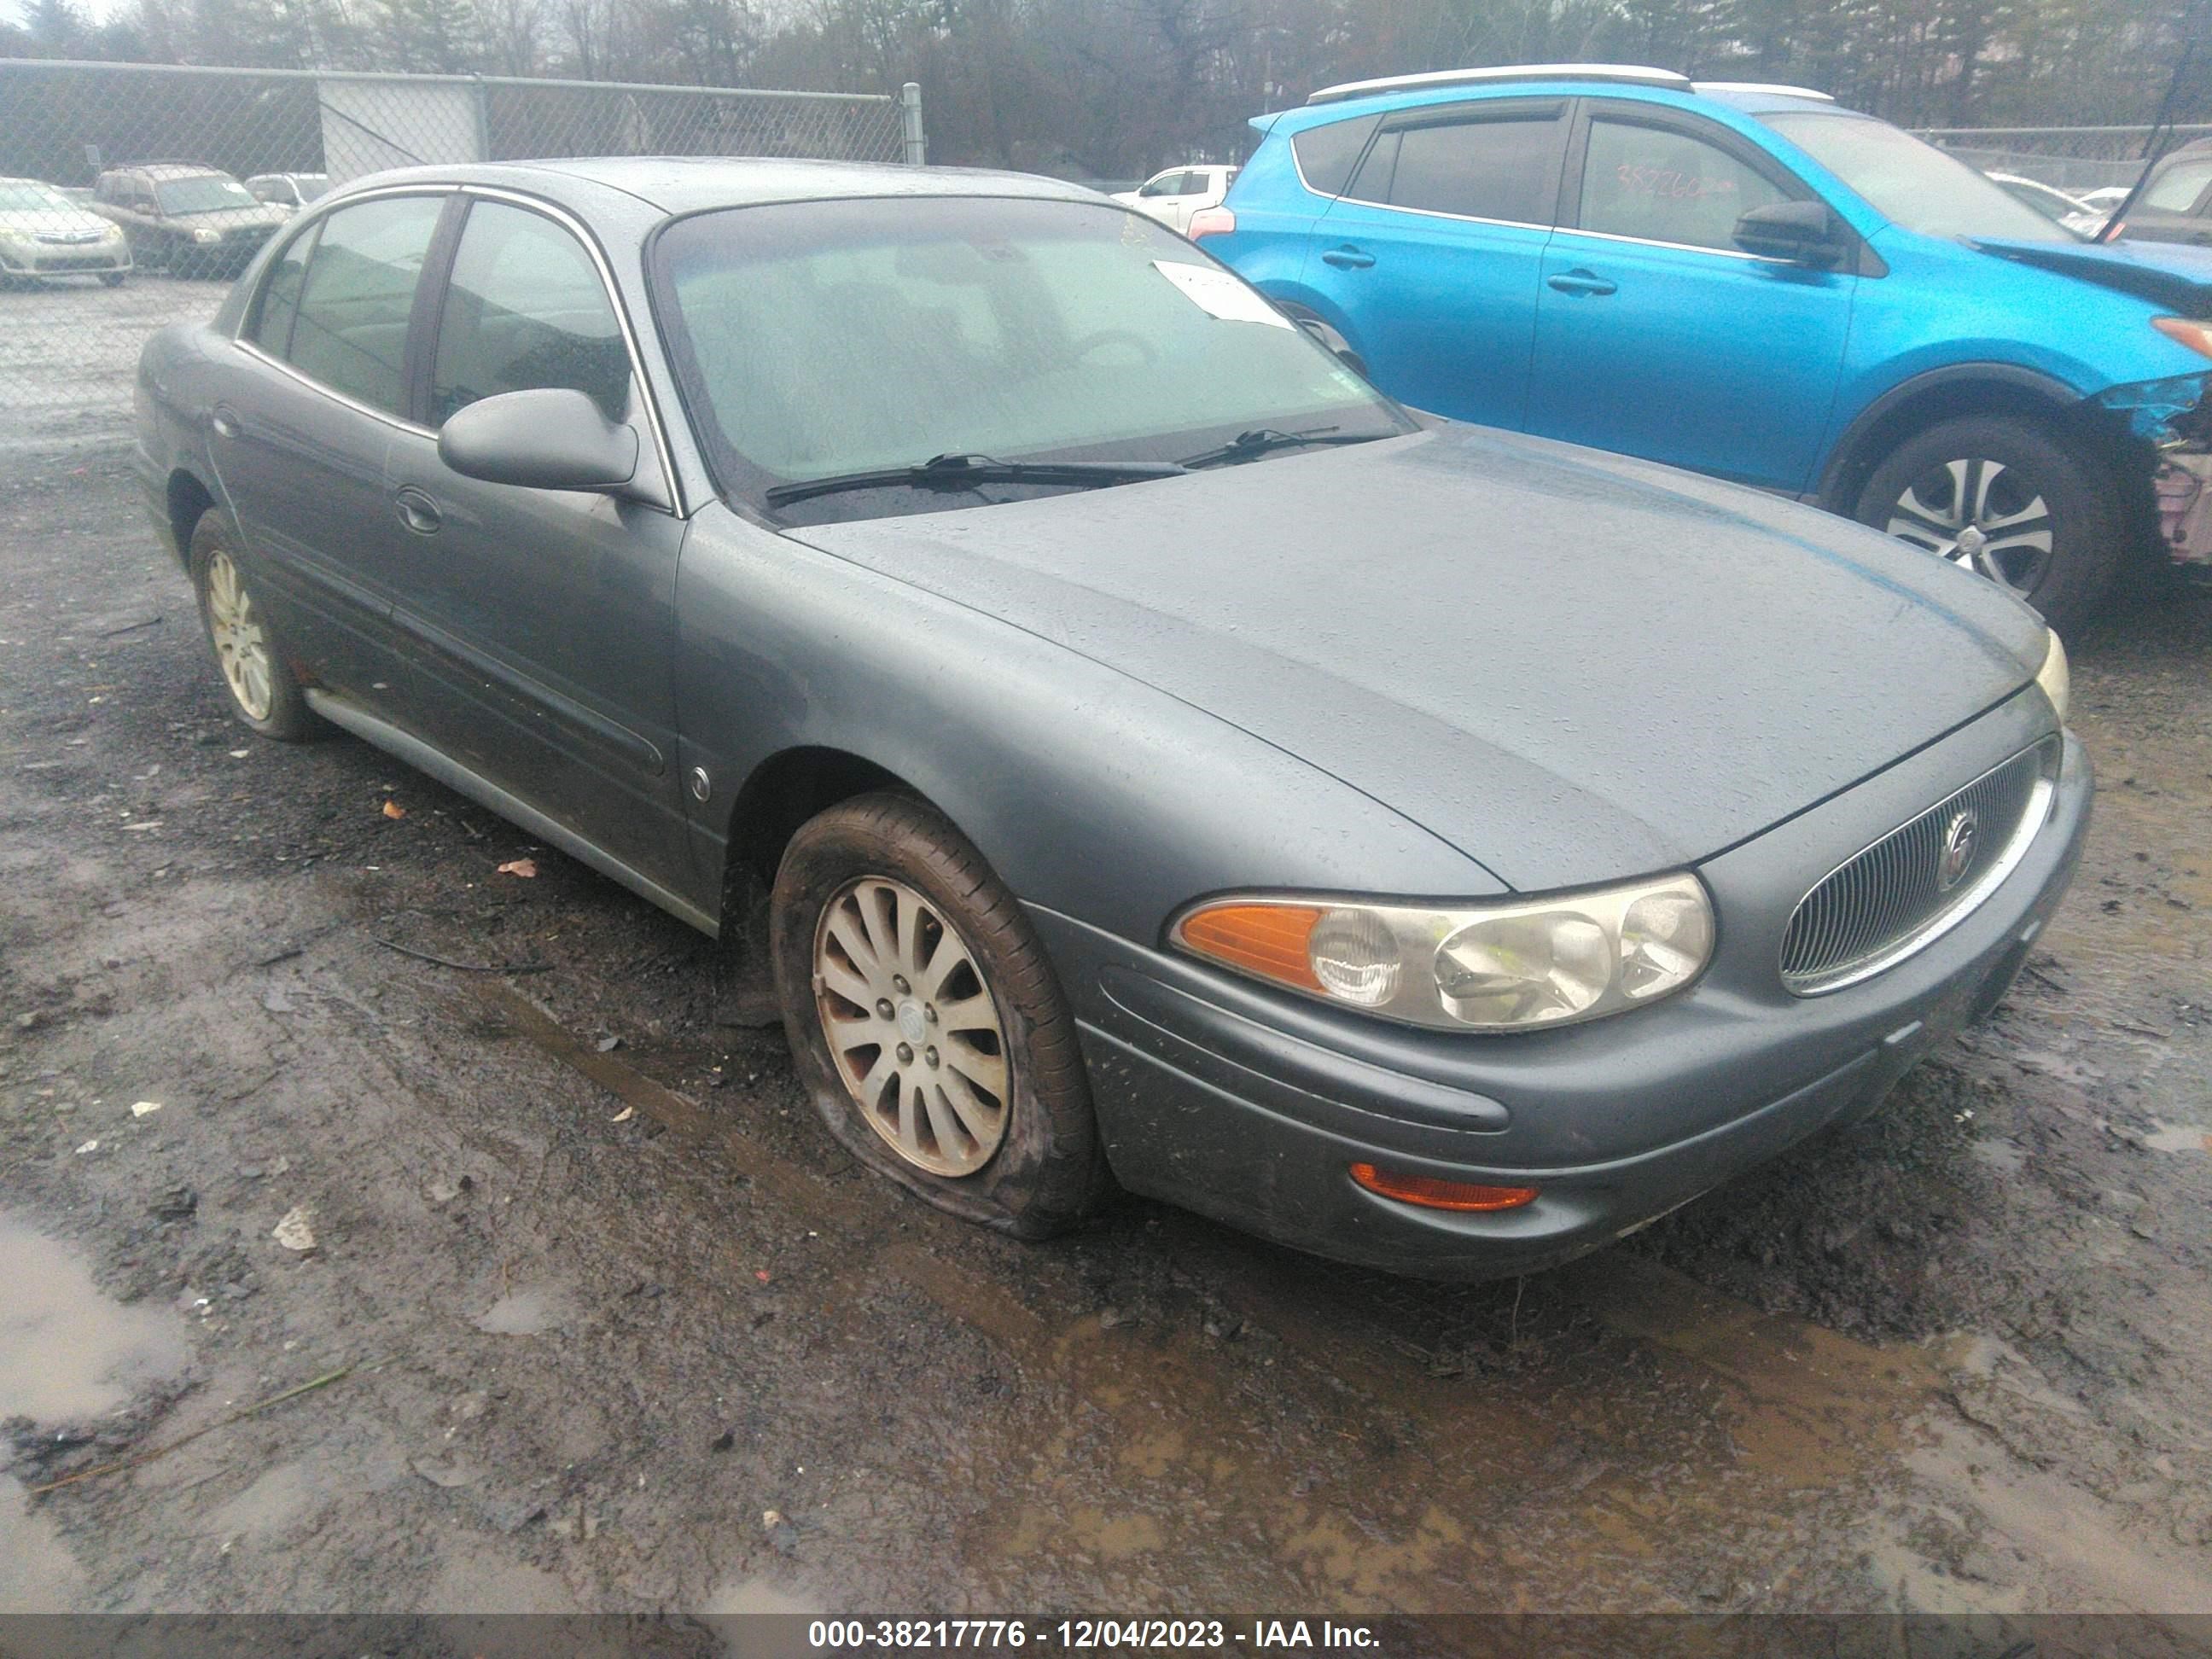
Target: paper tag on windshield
x,y
1219,294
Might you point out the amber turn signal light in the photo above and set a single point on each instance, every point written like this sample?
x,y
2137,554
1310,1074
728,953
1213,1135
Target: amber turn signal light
x,y
1432,1193
1267,939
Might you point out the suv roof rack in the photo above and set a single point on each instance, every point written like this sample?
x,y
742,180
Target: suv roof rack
x,y
1634,73
1774,87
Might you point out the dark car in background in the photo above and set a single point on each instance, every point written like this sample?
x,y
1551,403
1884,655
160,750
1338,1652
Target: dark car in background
x,y
2175,203
190,220
1156,754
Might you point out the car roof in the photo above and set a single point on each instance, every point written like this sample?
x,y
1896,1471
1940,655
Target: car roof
x,y
673,185
171,169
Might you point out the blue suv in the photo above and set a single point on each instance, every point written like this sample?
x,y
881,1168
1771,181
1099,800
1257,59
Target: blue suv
x,y
1746,280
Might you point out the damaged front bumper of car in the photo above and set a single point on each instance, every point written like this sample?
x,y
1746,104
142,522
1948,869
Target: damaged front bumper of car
x,y
2174,417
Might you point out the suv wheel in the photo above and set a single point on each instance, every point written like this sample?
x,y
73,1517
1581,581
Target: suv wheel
x,y
925,1020
2007,499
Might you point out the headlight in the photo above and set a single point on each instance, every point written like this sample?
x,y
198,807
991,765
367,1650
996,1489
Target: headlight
x,y
205,236
2053,678
2196,336
1496,967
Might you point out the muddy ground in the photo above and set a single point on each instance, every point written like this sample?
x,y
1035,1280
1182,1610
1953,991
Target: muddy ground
x,y
600,1318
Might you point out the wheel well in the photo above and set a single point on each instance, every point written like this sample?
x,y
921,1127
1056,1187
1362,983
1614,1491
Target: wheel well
x,y
784,792
1865,449
188,500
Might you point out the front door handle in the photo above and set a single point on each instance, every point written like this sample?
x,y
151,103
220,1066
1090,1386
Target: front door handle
x,y
1348,257
1581,282
417,512
224,421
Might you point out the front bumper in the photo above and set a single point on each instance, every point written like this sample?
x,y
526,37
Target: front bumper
x,y
64,258
1249,1106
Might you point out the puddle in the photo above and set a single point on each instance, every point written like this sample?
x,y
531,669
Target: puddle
x,y
67,1352
531,1311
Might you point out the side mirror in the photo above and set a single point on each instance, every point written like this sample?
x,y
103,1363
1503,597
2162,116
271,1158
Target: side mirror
x,y
1803,233
554,437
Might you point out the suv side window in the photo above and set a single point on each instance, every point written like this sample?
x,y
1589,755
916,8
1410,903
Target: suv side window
x,y
351,328
1327,154
525,309
1481,167
2176,189
1658,183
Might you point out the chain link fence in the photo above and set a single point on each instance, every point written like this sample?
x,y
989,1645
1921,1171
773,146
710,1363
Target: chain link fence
x,y
2076,159
131,194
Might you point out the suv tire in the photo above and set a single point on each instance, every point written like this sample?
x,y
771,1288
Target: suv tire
x,y
2005,497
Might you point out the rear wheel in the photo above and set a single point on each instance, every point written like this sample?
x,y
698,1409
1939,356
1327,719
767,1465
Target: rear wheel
x,y
2008,499
926,1022
262,692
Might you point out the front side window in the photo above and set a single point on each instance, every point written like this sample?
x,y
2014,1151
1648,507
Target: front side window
x,y
1910,183
351,330
525,310
1659,185
206,193
816,339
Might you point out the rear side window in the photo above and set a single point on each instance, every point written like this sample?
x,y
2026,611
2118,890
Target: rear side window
x,y
279,303
351,330
525,310
1490,169
1658,184
1327,154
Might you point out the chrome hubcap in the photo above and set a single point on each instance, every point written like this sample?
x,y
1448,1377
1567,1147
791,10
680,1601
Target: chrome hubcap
x,y
241,649
1980,514
912,1025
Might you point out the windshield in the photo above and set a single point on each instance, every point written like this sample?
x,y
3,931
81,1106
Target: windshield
x,y
820,339
32,198
1910,183
208,193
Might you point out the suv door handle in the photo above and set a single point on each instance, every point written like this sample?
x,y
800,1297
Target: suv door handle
x,y
417,512
1348,257
1581,282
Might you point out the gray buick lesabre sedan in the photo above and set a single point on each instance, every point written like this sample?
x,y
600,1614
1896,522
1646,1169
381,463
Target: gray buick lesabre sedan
x,y
1163,757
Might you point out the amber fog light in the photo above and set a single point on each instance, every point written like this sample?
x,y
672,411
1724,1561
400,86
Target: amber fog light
x,y
1432,1193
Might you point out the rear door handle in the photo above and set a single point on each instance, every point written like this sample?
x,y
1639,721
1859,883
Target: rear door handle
x,y
417,512
1581,282
1348,257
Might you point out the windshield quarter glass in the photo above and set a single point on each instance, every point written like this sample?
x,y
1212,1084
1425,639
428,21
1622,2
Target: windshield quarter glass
x,y
819,339
1910,183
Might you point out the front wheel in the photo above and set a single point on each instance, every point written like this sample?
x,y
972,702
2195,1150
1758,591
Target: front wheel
x,y
2007,498
926,1022
114,278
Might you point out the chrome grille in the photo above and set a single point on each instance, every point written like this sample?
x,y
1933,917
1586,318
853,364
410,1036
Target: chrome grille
x,y
1918,881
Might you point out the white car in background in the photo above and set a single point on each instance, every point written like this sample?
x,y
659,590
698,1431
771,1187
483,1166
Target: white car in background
x,y
44,233
2060,207
1173,195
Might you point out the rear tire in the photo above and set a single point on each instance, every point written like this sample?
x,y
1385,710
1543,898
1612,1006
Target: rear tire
x,y
251,658
2009,498
970,1092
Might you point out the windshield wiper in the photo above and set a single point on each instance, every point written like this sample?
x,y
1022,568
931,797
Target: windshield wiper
x,y
1265,440
966,471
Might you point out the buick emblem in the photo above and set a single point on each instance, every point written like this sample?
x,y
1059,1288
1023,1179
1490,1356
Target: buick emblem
x,y
1958,854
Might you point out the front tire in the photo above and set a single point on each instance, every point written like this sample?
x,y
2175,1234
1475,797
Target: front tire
x,y
254,667
926,1022
2008,498
114,278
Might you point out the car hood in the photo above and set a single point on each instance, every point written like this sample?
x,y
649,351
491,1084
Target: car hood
x,y
1571,667
2164,273
53,222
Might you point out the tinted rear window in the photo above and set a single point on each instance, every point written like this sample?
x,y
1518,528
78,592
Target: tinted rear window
x,y
1327,154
